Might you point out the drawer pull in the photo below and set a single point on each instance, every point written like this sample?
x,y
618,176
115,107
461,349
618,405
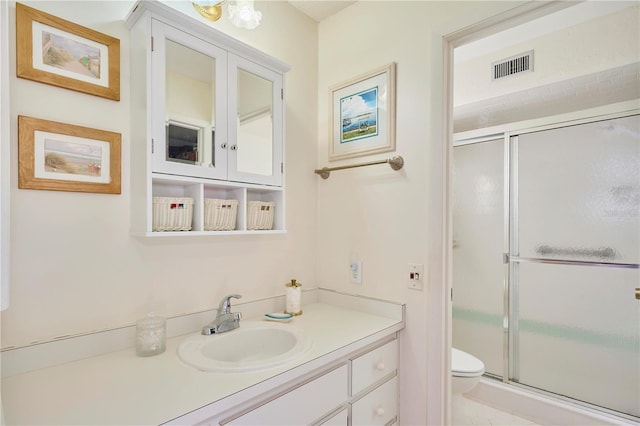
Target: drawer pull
x,y
380,366
379,411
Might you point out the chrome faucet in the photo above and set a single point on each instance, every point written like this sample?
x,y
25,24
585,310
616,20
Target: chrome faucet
x,y
225,319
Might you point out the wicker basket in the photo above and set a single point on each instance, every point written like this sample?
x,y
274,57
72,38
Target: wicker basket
x,y
172,213
260,215
220,215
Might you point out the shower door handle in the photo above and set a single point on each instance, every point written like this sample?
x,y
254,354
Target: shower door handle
x,y
601,253
519,259
637,293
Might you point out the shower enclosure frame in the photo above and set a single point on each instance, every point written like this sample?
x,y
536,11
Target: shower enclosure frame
x,y
509,134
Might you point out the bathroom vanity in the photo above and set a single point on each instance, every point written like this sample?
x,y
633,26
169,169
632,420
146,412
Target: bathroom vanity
x,y
201,101
347,376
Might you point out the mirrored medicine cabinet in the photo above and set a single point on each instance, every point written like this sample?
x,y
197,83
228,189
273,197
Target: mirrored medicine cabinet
x,y
207,120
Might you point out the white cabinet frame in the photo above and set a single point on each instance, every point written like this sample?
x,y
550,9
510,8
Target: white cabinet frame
x,y
151,23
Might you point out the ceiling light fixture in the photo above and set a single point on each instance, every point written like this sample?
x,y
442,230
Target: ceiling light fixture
x,y
241,12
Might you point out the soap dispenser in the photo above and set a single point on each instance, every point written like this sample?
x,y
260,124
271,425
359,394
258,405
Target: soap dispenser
x,y
293,298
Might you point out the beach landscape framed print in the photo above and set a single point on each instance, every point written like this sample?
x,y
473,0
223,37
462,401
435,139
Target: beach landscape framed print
x,y
362,114
54,51
63,157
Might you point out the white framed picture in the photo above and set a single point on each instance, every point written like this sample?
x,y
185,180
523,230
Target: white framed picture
x,y
362,114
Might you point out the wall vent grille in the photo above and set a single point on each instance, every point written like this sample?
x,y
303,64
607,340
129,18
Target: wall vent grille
x,y
513,65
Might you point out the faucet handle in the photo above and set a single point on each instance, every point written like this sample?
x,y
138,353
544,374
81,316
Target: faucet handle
x,y
225,303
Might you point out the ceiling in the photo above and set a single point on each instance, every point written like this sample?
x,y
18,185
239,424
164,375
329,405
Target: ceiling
x,y
580,12
318,10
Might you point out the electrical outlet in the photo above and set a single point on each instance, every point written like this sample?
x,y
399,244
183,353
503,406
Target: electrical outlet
x,y
415,276
355,272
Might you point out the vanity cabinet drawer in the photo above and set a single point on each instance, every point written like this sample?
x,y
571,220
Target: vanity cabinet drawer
x,y
372,366
302,405
378,407
340,419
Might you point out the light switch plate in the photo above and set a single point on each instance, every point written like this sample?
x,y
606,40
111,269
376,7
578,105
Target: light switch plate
x,y
415,276
355,272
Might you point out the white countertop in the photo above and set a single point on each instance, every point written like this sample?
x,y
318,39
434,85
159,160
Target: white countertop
x,y
121,388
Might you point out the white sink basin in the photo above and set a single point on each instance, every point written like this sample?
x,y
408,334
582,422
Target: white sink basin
x,y
253,346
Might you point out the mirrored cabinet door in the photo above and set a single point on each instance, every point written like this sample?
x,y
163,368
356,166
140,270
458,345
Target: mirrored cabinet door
x,y
255,123
189,111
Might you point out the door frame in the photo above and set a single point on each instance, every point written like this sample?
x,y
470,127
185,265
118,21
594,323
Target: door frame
x,y
439,305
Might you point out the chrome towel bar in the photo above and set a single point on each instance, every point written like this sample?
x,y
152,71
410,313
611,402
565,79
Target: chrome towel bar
x,y
396,163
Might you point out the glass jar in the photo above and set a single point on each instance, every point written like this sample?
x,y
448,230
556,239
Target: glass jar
x,y
151,335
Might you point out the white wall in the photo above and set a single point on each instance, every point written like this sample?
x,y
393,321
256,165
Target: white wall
x,y
586,55
5,149
389,219
74,266
599,44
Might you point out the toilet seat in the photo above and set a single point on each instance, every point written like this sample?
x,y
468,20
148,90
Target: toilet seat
x,y
465,365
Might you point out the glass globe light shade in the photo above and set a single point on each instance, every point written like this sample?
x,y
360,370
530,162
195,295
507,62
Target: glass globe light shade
x,y
243,15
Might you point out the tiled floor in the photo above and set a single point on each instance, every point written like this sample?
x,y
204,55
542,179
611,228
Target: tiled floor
x,y
465,411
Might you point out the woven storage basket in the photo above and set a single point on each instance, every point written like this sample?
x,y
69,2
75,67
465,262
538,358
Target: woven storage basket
x,y
220,215
260,215
172,213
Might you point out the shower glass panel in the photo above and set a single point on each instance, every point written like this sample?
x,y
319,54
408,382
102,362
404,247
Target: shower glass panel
x,y
578,333
478,272
577,203
579,192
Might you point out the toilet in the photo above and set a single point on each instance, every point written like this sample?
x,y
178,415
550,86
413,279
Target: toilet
x,y
465,371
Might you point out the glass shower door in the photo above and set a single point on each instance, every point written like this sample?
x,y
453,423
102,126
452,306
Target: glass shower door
x,y
575,238
478,246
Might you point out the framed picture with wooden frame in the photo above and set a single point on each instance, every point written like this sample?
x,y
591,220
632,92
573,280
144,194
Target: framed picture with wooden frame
x,y
54,51
362,114
63,157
